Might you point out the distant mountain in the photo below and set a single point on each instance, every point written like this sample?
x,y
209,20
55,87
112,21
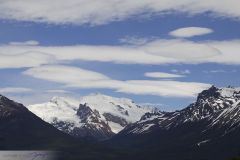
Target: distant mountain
x,y
206,129
21,129
95,116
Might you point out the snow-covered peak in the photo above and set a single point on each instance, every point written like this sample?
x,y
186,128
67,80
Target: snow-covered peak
x,y
65,101
58,109
97,112
121,107
105,98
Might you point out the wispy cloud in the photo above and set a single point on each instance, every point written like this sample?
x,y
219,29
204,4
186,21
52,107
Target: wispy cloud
x,y
79,78
26,43
162,75
190,32
135,40
186,71
57,91
220,71
96,12
7,90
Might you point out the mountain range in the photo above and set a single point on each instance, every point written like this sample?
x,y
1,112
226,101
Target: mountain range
x,y
207,129
118,128
93,117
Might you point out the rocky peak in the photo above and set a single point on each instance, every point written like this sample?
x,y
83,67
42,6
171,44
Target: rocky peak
x,y
214,99
212,92
4,99
9,107
85,112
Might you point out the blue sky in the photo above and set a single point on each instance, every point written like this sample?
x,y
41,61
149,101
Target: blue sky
x,y
49,53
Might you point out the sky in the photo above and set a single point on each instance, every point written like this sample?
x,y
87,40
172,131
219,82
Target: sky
x,y
155,52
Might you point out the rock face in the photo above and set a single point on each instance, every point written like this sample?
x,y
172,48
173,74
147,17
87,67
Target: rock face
x,y
96,116
115,119
206,129
21,129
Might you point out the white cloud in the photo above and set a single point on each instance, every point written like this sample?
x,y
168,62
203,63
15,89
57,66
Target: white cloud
x,y
182,50
162,75
229,52
26,43
7,90
64,74
35,97
80,78
97,12
19,59
161,51
190,32
57,91
163,88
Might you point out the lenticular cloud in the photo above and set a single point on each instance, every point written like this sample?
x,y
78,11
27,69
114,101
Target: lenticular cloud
x,y
181,49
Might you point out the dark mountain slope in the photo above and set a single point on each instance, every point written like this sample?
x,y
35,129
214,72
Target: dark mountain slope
x,y
21,129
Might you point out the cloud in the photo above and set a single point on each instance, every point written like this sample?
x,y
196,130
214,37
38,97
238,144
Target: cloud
x,y
229,52
35,97
190,32
27,58
186,71
73,77
57,91
157,52
182,50
163,88
97,12
215,71
64,74
162,75
135,40
7,90
26,43
220,71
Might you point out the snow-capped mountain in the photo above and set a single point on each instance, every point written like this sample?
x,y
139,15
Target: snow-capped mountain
x,y
207,129
217,106
95,116
118,112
